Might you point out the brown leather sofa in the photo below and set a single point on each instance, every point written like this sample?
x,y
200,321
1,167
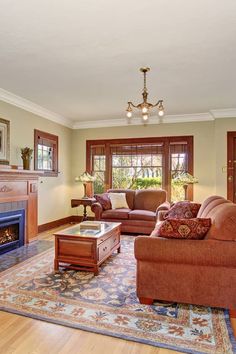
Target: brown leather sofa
x,y
141,216
201,272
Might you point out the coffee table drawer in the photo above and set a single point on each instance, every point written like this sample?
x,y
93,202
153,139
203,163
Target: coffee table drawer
x,y
104,249
76,248
114,240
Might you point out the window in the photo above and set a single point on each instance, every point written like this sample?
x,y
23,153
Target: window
x,y
46,153
141,163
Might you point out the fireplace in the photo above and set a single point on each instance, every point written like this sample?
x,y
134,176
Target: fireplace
x,y
12,230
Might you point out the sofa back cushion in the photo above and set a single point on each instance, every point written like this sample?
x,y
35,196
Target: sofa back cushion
x,y
223,218
149,199
130,194
210,204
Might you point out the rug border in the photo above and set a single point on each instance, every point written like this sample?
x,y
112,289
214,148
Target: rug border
x,y
101,332
230,330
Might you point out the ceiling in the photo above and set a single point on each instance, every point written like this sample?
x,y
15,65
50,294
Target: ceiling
x,y
80,58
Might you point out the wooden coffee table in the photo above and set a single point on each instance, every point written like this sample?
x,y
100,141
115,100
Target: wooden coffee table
x,y
86,249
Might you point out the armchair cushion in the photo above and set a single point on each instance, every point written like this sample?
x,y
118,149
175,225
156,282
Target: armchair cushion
x,y
142,215
183,210
158,250
104,200
194,229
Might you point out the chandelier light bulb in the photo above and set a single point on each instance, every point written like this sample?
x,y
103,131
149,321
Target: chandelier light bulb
x,y
129,114
145,117
144,109
161,113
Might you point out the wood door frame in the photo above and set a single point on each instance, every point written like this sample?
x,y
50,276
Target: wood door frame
x,y
230,164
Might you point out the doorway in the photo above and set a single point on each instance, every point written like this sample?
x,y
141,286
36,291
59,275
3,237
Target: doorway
x,y
231,166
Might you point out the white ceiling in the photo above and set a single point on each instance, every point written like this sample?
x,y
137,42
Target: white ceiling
x,y
81,58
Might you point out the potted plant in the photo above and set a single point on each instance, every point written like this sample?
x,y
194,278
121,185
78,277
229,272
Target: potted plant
x,y
26,155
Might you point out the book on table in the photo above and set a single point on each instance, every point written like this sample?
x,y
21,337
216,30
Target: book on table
x,y
90,225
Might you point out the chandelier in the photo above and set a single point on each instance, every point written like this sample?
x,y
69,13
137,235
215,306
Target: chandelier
x,y
145,106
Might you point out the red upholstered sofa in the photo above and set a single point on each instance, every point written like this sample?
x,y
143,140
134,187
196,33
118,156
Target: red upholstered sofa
x,y
199,272
141,216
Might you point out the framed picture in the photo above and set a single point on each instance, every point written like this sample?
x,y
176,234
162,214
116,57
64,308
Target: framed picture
x,y
4,141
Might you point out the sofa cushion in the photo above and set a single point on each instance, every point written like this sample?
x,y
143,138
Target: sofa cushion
x,y
130,194
142,215
104,200
194,229
118,201
183,210
149,199
116,214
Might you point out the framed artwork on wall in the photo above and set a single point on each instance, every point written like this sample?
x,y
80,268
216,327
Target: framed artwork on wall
x,y
4,141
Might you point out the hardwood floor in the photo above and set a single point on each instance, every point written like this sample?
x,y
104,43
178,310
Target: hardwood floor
x,y
23,335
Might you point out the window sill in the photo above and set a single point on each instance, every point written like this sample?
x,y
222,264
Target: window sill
x,y
49,173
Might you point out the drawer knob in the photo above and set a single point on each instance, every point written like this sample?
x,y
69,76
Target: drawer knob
x,y
104,248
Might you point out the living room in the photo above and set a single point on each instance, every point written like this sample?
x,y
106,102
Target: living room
x,y
69,72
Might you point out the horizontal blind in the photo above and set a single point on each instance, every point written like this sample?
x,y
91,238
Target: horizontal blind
x,y
136,149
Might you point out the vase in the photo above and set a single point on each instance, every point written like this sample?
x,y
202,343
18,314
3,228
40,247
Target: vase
x,y
26,163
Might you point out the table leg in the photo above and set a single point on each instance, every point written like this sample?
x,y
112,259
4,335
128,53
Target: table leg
x,y
119,249
56,265
96,270
85,214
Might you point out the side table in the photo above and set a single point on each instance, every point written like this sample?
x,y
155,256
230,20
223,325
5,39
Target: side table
x,y
85,202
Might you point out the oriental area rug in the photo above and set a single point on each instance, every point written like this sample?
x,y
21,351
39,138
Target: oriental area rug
x,y
107,304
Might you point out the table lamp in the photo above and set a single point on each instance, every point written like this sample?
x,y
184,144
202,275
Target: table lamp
x,y
185,179
85,178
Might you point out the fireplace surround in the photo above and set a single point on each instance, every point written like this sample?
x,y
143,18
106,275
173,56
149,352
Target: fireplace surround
x,y
19,202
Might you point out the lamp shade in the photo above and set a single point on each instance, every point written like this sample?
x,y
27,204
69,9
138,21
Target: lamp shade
x,y
185,178
85,178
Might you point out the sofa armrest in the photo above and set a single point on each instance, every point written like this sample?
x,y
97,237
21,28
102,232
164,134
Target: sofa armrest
x,y
194,252
97,210
163,206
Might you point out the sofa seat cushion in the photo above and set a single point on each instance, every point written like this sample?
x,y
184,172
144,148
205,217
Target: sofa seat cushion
x,y
116,214
194,229
146,215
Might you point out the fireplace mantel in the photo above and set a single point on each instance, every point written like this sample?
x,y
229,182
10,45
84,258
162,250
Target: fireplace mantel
x,y
21,186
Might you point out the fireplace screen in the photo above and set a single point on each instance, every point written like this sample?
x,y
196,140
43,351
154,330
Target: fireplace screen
x,y
9,234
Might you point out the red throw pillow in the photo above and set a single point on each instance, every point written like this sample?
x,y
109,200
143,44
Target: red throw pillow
x,y
104,200
194,229
183,210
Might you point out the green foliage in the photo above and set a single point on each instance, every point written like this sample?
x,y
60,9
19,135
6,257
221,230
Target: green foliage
x,y
98,187
146,182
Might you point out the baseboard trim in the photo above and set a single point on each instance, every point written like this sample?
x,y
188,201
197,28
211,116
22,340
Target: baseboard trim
x,y
56,223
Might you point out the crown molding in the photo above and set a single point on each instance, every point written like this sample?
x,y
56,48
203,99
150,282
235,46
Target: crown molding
x,y
34,108
178,118
223,113
29,106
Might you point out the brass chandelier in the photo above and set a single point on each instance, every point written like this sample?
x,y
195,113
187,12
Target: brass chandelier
x,y
145,106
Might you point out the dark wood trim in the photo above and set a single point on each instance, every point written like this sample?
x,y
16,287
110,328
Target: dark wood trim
x,y
230,165
54,140
166,161
60,222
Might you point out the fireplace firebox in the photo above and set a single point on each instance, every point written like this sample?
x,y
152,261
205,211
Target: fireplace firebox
x,y
12,230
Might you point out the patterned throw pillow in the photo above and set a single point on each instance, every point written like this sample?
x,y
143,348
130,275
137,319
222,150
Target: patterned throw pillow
x,y
194,229
183,210
104,200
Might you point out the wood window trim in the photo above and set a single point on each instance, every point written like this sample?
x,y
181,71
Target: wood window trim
x,y
153,140
54,139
